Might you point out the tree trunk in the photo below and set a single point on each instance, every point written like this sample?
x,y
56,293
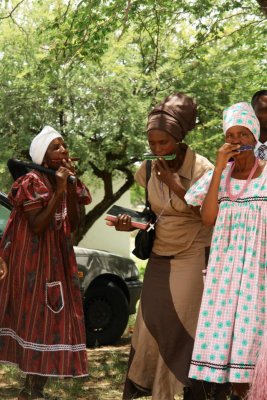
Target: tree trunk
x,y
263,6
88,220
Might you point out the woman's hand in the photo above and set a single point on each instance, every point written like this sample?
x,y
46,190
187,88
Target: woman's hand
x,y
3,268
165,175
61,179
225,152
123,223
210,208
173,181
67,163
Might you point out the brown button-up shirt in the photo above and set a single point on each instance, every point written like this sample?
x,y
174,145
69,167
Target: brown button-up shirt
x,y
179,229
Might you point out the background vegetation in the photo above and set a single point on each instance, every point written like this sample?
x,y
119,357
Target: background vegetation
x,y
93,69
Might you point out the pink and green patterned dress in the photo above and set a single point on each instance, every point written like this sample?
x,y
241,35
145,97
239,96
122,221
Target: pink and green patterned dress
x,y
233,311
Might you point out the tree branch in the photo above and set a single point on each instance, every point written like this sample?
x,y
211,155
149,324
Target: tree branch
x,y
127,10
12,11
93,215
198,45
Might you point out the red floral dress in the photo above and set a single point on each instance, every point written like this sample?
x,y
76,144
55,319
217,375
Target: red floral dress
x,y
41,321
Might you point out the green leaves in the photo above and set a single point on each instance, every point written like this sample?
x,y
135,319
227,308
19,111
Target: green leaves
x,y
93,69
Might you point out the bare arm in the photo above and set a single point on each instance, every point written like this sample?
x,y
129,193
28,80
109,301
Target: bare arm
x,y
165,175
210,206
72,203
173,181
40,219
73,207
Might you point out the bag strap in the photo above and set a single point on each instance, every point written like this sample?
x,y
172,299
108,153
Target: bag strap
x,y
148,175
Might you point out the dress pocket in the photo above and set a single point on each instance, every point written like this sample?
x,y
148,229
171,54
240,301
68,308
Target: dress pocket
x,y
54,296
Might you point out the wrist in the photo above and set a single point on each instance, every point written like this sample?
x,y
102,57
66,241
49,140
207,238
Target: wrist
x,y
173,184
72,187
218,170
58,193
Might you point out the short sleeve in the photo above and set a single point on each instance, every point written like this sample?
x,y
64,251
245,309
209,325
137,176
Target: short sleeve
x,y
197,193
202,165
140,175
83,194
29,192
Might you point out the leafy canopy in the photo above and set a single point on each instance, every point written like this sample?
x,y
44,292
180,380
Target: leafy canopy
x,y
93,69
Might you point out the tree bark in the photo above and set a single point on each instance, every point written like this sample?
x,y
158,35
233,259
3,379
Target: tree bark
x,y
88,220
263,6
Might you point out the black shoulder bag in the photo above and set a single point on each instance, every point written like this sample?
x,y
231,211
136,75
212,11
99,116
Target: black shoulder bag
x,y
144,238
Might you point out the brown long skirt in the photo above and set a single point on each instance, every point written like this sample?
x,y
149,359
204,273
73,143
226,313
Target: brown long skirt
x,y
163,337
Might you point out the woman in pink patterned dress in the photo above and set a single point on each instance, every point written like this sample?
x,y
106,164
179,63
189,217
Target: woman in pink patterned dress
x,y
233,311
41,323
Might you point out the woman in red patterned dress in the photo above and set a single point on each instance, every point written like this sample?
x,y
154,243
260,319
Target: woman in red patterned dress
x,y
41,323
3,269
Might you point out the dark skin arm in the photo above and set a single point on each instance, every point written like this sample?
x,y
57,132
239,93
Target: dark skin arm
x,y
72,207
72,204
165,175
210,206
40,219
173,181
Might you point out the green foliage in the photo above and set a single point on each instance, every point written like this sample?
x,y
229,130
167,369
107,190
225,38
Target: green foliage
x,y
92,69
137,195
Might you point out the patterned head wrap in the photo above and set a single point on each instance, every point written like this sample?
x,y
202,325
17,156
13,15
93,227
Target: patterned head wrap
x,y
41,142
241,114
176,115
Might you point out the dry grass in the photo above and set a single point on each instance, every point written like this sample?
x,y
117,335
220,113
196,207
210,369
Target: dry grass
x,y
107,368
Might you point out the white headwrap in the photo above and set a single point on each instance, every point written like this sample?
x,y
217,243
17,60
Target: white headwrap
x,y
41,142
241,114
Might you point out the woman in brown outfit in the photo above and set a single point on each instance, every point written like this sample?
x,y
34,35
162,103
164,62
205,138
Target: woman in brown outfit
x,y
164,332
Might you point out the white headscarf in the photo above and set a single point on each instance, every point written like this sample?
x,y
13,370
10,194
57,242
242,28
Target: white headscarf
x,y
41,142
241,114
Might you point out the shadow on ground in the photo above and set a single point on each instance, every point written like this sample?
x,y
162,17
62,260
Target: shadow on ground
x,y
107,368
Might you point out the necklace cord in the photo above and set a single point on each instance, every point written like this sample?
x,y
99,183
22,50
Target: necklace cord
x,y
228,181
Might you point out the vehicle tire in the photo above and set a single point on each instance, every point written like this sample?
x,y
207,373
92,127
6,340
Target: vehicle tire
x,y
106,312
